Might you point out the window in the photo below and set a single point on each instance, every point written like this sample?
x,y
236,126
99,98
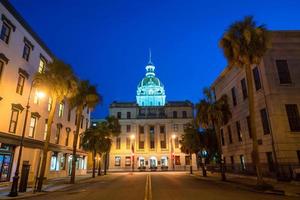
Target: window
x,y
68,130
293,117
141,129
76,118
13,120
283,72
86,123
249,126
176,142
184,115
152,137
298,155
119,115
57,135
128,128
61,109
54,164
141,137
128,115
270,161
238,131
174,114
26,51
244,88
69,114
175,127
233,95
49,103
265,121
32,126
177,160
187,160
242,161
118,143
20,84
45,129
1,68
222,137
42,65
256,78
128,142
63,162
127,161
81,121
229,134
117,161
5,32
163,137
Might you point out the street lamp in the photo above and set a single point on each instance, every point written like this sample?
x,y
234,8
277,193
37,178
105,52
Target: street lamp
x,y
132,137
173,150
14,186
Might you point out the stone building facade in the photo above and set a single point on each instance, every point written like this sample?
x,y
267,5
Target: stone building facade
x,y
277,103
151,129
22,54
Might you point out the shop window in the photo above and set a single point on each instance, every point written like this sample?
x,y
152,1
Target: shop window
x,y
177,160
117,161
128,161
54,164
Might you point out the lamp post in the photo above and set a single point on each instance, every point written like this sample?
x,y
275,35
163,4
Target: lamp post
x,y
14,186
173,150
132,150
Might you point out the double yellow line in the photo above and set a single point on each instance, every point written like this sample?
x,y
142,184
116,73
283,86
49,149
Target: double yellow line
x,y
148,188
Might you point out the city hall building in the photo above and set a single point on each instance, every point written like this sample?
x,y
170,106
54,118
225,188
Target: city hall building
x,y
23,54
151,129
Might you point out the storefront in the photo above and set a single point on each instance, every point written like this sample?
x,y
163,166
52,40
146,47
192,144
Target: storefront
x,y
6,160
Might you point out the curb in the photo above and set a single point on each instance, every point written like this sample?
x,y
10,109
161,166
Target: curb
x,y
250,188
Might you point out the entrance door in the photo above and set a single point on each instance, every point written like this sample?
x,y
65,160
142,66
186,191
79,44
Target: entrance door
x,y
70,165
153,162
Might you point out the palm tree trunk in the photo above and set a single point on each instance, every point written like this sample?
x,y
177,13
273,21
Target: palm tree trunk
x,y
255,154
94,164
105,163
191,166
204,174
99,167
46,145
75,141
218,136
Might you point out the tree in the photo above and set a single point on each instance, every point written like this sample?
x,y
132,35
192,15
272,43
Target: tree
x,y
86,97
190,142
244,44
59,82
212,113
114,130
91,143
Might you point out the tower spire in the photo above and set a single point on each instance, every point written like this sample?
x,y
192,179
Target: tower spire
x,y
150,56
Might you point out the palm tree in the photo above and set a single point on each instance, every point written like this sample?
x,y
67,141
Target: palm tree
x,y
104,148
244,44
190,142
212,113
86,97
90,142
114,130
59,82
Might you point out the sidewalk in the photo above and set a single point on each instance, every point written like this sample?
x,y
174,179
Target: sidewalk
x,y
49,186
249,182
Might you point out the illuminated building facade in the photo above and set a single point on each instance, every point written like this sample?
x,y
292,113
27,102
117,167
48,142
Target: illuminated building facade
x,y
150,129
22,54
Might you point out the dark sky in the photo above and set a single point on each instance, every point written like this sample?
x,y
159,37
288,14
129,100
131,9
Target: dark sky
x,y
107,41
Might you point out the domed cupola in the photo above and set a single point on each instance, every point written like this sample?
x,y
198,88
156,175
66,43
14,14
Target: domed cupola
x,y
150,91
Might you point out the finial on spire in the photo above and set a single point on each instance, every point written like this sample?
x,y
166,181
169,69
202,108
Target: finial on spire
x,y
150,56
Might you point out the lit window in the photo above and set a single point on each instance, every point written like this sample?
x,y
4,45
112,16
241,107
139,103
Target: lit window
x,y
13,120
42,65
20,84
61,109
118,143
54,164
117,161
5,32
45,129
32,126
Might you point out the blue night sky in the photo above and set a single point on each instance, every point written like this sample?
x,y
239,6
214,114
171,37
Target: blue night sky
x,y
107,41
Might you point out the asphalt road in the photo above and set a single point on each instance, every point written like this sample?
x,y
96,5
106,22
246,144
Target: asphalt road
x,y
156,186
